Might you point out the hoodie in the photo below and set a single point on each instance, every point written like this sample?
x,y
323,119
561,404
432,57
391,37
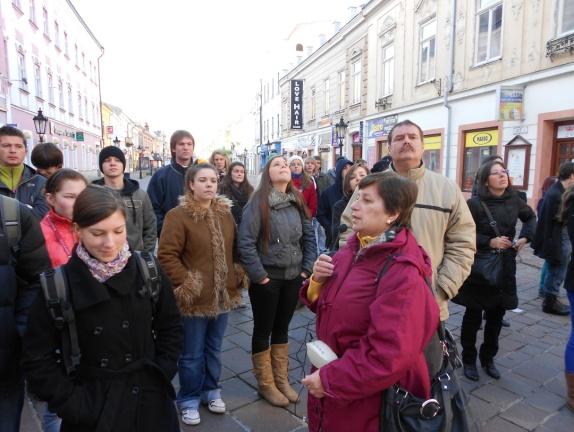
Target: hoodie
x,y
140,217
329,197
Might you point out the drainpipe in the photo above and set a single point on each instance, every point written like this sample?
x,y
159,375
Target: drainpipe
x,y
100,95
449,83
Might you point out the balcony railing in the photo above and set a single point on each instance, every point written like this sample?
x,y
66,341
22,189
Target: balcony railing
x,y
561,45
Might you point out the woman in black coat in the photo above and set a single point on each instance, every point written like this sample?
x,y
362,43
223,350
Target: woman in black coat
x,y
129,344
235,186
506,207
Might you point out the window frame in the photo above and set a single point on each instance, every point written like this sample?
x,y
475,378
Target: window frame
x,y
479,12
560,30
327,95
50,80
22,72
342,88
46,22
356,80
384,65
313,104
431,74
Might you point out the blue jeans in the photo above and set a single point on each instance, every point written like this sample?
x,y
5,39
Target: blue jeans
x,y
200,362
11,403
543,273
319,237
557,272
569,356
50,420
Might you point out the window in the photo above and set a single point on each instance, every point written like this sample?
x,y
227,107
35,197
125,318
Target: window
x,y
22,68
91,70
76,53
356,68
388,70
46,22
50,88
431,155
70,101
488,30
313,103
272,87
278,128
86,109
66,43
427,51
80,114
273,127
565,16
84,62
341,89
327,93
37,79
57,34
478,145
93,113
32,10
61,93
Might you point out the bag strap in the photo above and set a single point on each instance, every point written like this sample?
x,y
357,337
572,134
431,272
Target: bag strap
x,y
150,273
11,221
491,220
56,293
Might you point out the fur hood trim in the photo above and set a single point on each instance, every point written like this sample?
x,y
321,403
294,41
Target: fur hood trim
x,y
220,205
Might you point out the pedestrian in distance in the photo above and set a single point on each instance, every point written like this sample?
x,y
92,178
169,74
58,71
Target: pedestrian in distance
x,y
322,179
304,183
47,158
62,189
548,182
313,168
221,162
277,249
441,220
196,249
129,340
235,186
382,165
551,242
357,172
18,180
495,233
167,183
140,216
23,257
567,218
377,324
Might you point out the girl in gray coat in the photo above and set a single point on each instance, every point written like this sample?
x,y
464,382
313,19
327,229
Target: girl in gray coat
x,y
277,249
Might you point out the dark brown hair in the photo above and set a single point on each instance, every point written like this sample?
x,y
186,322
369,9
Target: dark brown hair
x,y
95,204
399,194
484,173
47,155
54,183
262,194
244,187
192,172
177,136
347,180
404,123
12,131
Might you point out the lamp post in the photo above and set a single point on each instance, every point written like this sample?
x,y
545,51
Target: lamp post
x,y
40,123
140,149
341,130
116,141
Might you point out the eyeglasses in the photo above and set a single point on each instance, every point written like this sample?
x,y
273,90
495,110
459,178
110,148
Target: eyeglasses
x,y
499,173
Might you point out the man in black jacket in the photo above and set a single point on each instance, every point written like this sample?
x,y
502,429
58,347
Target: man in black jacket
x,y
552,243
23,257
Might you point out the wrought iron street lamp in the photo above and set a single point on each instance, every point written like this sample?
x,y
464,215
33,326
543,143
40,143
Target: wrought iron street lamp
x,y
341,130
40,123
140,149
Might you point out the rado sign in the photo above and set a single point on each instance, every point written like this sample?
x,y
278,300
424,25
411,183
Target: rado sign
x,y
296,104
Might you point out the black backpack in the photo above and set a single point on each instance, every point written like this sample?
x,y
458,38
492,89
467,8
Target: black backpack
x,y
56,294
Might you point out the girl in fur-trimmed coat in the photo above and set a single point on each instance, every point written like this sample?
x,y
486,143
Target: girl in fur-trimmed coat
x,y
196,251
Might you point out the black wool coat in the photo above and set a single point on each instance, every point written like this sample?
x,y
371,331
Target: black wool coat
x,y
129,354
548,241
505,210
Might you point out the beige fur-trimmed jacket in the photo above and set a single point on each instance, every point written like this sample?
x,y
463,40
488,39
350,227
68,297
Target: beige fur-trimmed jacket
x,y
196,252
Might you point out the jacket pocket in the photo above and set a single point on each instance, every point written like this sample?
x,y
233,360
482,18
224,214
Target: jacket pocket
x,y
188,291
136,204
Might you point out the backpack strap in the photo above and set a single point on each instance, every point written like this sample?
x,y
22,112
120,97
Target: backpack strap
x,y
11,221
56,293
150,273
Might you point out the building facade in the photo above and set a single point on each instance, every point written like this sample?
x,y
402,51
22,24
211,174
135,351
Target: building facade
x,y
496,79
49,60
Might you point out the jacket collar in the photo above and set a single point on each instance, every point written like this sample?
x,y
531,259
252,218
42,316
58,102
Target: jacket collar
x,y
279,199
414,173
86,291
219,205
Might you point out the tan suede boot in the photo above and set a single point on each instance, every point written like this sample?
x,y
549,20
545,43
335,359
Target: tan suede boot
x,y
280,363
570,389
264,375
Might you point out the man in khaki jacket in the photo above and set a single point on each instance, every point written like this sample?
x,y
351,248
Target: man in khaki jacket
x,y
441,220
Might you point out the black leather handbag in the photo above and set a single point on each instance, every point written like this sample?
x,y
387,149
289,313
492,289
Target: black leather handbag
x,y
446,410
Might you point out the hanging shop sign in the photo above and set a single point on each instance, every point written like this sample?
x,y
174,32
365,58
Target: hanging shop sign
x,y
517,160
296,104
380,127
481,138
511,101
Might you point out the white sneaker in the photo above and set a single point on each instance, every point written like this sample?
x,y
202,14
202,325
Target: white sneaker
x,y
190,416
216,406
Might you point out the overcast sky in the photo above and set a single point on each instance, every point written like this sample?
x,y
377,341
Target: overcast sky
x,y
190,64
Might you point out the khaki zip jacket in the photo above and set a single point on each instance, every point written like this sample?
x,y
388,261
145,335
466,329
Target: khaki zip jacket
x,y
443,226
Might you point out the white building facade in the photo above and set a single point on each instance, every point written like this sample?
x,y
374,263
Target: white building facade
x,y
49,60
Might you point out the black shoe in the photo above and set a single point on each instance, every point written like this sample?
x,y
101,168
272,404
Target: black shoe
x,y
505,323
470,371
552,305
491,370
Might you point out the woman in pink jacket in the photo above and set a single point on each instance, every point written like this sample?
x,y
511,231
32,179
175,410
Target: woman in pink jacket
x,y
62,188
377,325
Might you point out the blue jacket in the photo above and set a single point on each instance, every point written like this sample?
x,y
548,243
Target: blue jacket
x,y
329,197
30,191
19,284
164,190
